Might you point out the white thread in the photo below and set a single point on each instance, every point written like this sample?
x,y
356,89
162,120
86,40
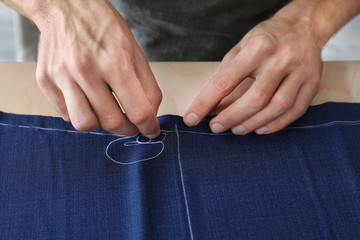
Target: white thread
x,y
204,133
134,143
137,142
329,124
183,184
23,126
59,130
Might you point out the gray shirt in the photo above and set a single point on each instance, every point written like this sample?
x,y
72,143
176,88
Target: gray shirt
x,y
176,30
190,30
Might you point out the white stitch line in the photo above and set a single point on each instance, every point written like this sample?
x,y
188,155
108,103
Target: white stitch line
x,y
183,184
133,143
20,126
204,133
323,125
333,123
329,124
57,129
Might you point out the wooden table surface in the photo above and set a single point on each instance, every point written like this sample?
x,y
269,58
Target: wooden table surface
x,y
179,81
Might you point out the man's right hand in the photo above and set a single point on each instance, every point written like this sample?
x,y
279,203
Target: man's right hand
x,y
86,53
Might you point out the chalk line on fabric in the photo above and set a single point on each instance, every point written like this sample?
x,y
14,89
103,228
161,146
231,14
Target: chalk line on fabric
x,y
137,141
183,184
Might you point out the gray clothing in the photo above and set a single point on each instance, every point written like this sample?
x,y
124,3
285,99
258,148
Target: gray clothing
x,y
191,30
187,30
26,39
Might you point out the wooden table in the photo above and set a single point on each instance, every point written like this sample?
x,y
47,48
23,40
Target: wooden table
x,y
179,81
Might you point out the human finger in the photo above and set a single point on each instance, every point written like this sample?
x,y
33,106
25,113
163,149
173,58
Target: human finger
x,y
281,102
126,85
221,84
302,101
269,77
108,111
100,97
53,94
80,112
147,80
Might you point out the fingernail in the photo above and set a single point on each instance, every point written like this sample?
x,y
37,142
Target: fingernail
x,y
191,119
262,130
238,130
217,128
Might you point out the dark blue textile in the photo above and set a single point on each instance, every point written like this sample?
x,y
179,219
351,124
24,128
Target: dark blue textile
x,y
300,183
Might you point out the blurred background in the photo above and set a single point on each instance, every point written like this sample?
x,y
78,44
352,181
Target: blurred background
x,y
344,45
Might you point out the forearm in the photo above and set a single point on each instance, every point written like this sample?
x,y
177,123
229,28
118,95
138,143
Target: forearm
x,y
29,9
45,13
322,18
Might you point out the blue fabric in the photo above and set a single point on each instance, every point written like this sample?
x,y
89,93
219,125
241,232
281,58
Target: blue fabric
x,y
300,183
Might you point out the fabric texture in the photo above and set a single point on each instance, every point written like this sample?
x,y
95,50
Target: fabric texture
x,y
300,183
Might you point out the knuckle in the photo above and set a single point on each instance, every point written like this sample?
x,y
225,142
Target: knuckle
x,y
222,84
121,64
60,75
82,63
42,78
140,116
228,119
85,125
263,45
283,102
155,97
259,98
58,70
289,54
112,61
300,109
111,124
122,60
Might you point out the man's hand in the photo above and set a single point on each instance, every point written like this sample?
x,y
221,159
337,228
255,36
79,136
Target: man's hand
x,y
283,55
86,53
286,65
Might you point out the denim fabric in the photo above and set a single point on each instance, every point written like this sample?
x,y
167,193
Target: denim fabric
x,y
300,183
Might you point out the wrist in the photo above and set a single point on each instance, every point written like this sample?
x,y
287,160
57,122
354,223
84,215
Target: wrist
x,y
64,13
35,10
44,13
319,18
